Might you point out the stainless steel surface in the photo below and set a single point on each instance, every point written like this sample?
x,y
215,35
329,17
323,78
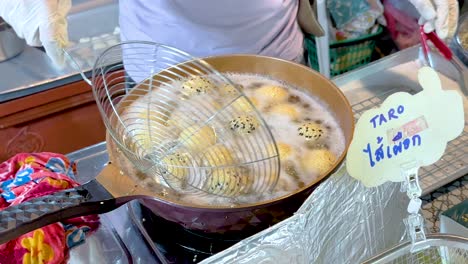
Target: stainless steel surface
x,y
90,161
376,77
367,87
32,72
10,44
437,248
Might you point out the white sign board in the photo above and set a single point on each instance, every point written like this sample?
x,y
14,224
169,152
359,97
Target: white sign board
x,y
405,129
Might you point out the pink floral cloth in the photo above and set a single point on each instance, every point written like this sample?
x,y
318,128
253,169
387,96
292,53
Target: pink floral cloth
x,y
27,176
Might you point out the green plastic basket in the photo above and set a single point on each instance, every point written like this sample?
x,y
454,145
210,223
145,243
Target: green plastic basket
x,y
345,55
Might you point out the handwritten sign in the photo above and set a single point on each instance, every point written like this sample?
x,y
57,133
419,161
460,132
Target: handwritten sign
x,y
405,128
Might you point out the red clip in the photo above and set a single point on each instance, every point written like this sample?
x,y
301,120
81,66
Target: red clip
x,y
438,43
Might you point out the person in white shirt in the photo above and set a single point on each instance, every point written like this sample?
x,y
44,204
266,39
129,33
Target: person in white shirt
x,y
200,28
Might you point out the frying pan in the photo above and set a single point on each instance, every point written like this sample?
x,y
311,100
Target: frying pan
x,y
120,181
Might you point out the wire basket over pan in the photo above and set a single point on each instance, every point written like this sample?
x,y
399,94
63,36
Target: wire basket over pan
x,y
182,123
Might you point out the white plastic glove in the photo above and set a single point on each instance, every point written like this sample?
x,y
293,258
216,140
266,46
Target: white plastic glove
x,y
438,15
40,23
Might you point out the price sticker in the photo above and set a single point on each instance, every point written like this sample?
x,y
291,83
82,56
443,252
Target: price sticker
x,y
405,128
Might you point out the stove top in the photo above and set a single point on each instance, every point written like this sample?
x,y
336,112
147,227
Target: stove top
x,y
172,243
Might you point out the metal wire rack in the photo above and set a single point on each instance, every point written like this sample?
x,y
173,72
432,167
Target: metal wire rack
x,y
452,165
181,122
437,248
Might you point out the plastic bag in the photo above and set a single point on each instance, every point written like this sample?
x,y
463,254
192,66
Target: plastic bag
x,y
402,22
341,222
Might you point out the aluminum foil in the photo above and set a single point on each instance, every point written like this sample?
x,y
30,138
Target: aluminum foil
x,y
341,222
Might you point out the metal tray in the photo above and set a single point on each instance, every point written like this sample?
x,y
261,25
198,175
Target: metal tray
x,y
121,238
369,86
104,245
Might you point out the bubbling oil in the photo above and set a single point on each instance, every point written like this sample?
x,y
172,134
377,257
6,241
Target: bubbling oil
x,y
284,127
285,109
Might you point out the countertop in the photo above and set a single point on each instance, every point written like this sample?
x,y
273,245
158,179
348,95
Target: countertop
x,y
32,72
19,77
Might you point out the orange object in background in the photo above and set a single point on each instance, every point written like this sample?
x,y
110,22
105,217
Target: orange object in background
x,y
59,120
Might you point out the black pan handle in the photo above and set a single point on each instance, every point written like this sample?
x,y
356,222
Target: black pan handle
x,y
89,198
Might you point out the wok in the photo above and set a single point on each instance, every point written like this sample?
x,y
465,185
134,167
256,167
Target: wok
x,y
120,181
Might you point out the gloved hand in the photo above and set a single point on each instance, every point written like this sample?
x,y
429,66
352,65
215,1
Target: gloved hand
x,y
438,15
40,23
